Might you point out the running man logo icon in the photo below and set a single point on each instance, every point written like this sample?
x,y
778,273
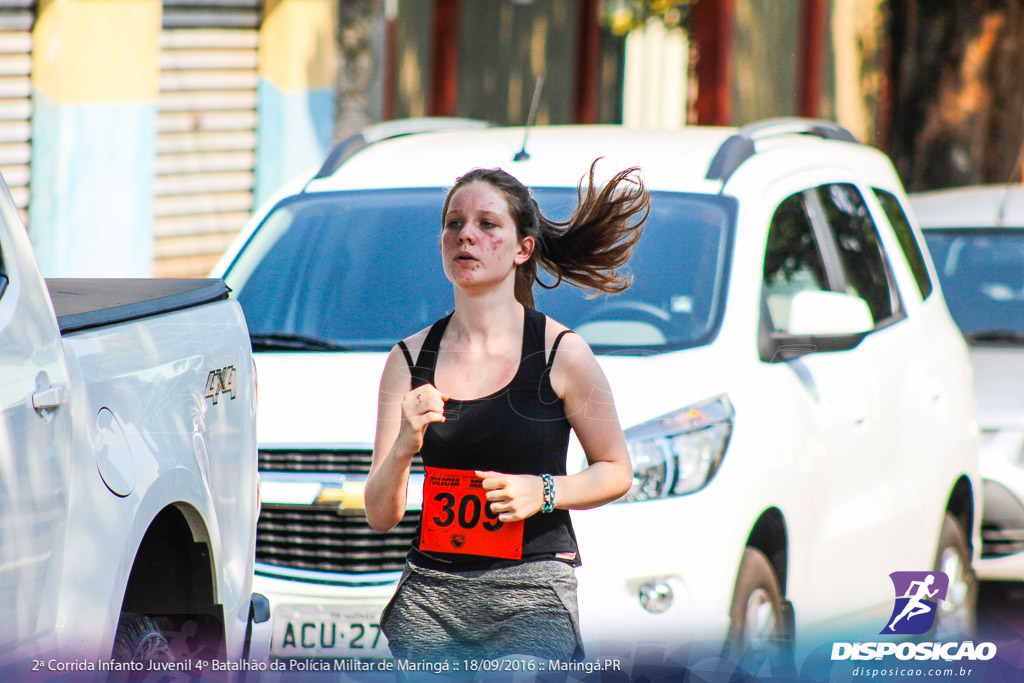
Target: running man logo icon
x,y
917,597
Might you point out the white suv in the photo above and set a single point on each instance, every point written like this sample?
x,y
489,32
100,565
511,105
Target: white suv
x,y
976,238
797,406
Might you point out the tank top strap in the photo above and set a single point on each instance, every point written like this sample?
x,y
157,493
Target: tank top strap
x,y
408,356
531,365
423,369
554,347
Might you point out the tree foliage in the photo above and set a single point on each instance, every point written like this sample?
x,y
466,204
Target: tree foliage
x,y
957,110
622,16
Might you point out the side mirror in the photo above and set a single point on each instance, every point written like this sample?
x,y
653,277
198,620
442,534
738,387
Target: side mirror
x,y
831,313
817,322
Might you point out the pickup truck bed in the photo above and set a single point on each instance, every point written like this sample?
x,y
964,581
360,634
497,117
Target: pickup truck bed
x,y
83,304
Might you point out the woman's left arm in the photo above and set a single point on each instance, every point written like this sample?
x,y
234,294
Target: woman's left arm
x,y
590,408
578,379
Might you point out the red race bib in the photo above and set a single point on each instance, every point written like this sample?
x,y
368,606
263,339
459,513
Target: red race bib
x,y
458,519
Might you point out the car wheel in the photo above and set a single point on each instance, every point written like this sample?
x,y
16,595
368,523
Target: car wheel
x,y
957,614
760,620
139,639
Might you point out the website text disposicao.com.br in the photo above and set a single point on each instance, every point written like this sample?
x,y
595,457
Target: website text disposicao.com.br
x,y
907,672
950,659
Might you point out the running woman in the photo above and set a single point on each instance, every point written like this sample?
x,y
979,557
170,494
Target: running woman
x,y
487,396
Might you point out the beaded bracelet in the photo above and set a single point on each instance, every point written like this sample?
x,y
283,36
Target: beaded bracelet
x,y
549,493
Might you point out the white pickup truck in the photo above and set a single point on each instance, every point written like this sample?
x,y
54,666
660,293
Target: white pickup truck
x,y
128,484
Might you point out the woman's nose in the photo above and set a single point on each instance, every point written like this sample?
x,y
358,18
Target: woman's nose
x,y
467,234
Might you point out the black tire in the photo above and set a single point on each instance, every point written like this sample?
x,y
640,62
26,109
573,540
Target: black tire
x,y
957,616
139,639
760,620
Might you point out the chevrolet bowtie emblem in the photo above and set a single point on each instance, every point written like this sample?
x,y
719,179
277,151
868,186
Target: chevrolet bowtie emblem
x,y
348,497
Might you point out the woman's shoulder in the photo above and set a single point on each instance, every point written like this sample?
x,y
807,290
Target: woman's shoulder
x,y
570,342
574,362
413,343
552,328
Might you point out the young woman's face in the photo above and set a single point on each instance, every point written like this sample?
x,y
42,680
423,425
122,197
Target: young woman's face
x,y
479,242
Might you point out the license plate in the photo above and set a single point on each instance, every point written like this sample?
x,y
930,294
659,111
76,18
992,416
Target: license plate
x,y
328,631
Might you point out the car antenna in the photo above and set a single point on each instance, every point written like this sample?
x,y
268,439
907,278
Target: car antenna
x,y
1001,216
523,155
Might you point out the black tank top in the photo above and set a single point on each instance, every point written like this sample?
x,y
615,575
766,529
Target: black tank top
x,y
519,429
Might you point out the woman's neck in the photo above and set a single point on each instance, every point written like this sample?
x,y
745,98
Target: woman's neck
x,y
486,316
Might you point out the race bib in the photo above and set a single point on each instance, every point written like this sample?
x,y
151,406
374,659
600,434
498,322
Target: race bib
x,y
458,519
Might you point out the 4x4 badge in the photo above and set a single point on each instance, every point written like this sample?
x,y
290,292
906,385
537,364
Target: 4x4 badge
x,y
220,381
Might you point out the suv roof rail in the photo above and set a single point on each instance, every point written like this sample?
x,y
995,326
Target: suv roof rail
x,y
740,146
343,150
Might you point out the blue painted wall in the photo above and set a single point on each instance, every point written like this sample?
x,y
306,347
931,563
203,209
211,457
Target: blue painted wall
x,y
294,134
92,188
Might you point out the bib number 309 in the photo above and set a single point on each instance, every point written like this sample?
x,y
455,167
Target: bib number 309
x,y
457,518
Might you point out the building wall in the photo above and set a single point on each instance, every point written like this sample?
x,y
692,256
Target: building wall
x,y
503,47
764,59
296,89
206,131
153,134
413,60
93,135
768,55
106,167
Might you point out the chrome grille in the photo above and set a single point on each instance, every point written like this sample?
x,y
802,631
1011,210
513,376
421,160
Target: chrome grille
x,y
321,539
344,461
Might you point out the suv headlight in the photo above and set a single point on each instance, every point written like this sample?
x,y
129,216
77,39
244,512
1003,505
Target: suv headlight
x,y
679,453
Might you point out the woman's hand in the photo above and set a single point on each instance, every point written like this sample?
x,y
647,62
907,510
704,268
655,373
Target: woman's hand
x,y
420,407
513,496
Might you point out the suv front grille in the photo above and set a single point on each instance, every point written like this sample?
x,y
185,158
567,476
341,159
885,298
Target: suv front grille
x,y
320,539
348,461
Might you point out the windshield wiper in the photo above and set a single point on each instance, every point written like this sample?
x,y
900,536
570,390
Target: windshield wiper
x,y
995,336
292,342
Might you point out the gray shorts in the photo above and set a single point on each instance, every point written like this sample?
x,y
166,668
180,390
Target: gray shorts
x,y
527,609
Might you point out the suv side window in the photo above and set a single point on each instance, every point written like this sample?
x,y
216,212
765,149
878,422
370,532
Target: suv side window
x,y
859,250
905,235
792,260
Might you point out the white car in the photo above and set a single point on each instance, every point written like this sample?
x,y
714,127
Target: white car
x,y
128,485
796,398
976,237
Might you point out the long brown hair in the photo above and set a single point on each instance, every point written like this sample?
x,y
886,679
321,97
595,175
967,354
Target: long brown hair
x,y
589,248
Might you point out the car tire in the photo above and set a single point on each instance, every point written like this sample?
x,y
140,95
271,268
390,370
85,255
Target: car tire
x,y
139,639
760,619
956,617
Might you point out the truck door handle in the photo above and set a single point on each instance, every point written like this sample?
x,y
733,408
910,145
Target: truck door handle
x,y
50,399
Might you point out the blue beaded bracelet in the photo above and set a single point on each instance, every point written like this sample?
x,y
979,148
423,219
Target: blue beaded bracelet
x,y
549,493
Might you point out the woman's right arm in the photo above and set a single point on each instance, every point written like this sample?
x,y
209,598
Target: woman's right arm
x,y
402,419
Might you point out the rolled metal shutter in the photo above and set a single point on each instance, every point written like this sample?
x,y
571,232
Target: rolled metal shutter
x,y
206,139
17,17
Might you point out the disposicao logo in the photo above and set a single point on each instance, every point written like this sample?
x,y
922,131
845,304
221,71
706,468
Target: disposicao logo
x,y
918,595
917,599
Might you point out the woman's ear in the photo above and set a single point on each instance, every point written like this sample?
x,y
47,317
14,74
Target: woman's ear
x,y
525,250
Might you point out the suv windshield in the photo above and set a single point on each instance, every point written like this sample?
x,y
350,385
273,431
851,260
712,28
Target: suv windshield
x,y
360,270
982,276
